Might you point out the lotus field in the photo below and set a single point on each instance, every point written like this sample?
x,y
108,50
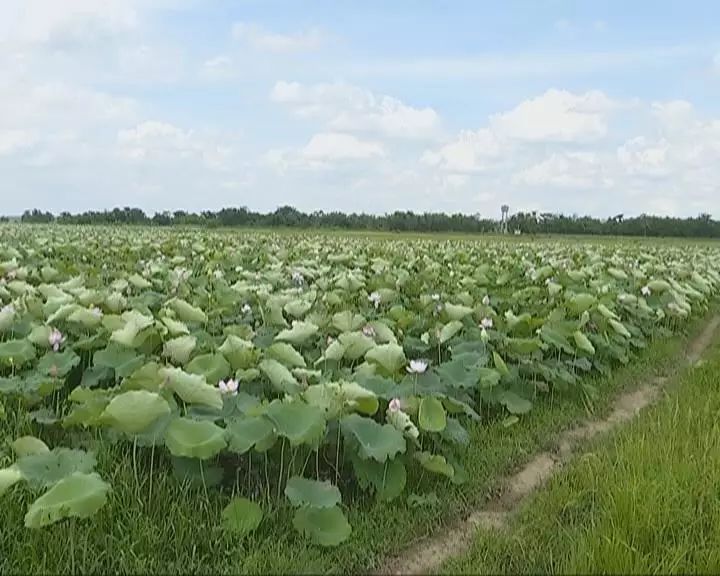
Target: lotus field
x,y
301,371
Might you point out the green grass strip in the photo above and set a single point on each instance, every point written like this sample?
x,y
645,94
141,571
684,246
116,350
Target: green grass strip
x,y
643,500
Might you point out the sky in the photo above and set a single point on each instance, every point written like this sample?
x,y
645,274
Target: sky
x,y
585,107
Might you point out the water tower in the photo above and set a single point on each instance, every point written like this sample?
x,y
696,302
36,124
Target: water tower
x,y
504,218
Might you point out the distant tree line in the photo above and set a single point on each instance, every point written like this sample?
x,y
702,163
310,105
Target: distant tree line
x,y
702,226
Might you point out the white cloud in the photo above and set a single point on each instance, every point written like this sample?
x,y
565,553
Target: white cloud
x,y
577,170
163,142
265,40
472,151
39,22
338,146
149,63
641,156
53,104
348,108
220,67
556,116
12,141
324,151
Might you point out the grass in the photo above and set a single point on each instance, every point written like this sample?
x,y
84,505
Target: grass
x,y
645,500
153,524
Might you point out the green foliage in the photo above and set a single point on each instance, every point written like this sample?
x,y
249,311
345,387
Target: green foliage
x,y
359,360
241,516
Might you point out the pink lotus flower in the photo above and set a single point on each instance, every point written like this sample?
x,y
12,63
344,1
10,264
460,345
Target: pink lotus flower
x,y
395,405
368,331
55,339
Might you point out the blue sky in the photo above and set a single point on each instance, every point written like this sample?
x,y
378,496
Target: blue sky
x,y
581,107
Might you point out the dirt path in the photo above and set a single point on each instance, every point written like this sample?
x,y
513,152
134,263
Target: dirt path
x,y
427,555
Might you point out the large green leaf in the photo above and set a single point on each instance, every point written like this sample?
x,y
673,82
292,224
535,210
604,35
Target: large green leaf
x,y
299,333
192,388
79,495
280,377
619,327
213,367
376,441
583,343
457,311
355,344
196,473
243,434
8,478
179,349
390,356
431,415
387,479
323,526
16,352
194,439
58,364
187,312
347,321
239,352
28,445
241,516
435,463
300,423
313,493
47,468
555,338
124,361
286,355
514,403
147,377
134,411
135,323
449,330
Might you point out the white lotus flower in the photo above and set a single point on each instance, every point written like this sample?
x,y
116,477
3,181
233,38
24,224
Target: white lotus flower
x,y
417,367
246,309
435,297
368,331
395,405
298,278
645,291
486,323
228,387
486,300
95,311
375,298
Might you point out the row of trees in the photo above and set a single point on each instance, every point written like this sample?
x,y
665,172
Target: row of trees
x,y
286,216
